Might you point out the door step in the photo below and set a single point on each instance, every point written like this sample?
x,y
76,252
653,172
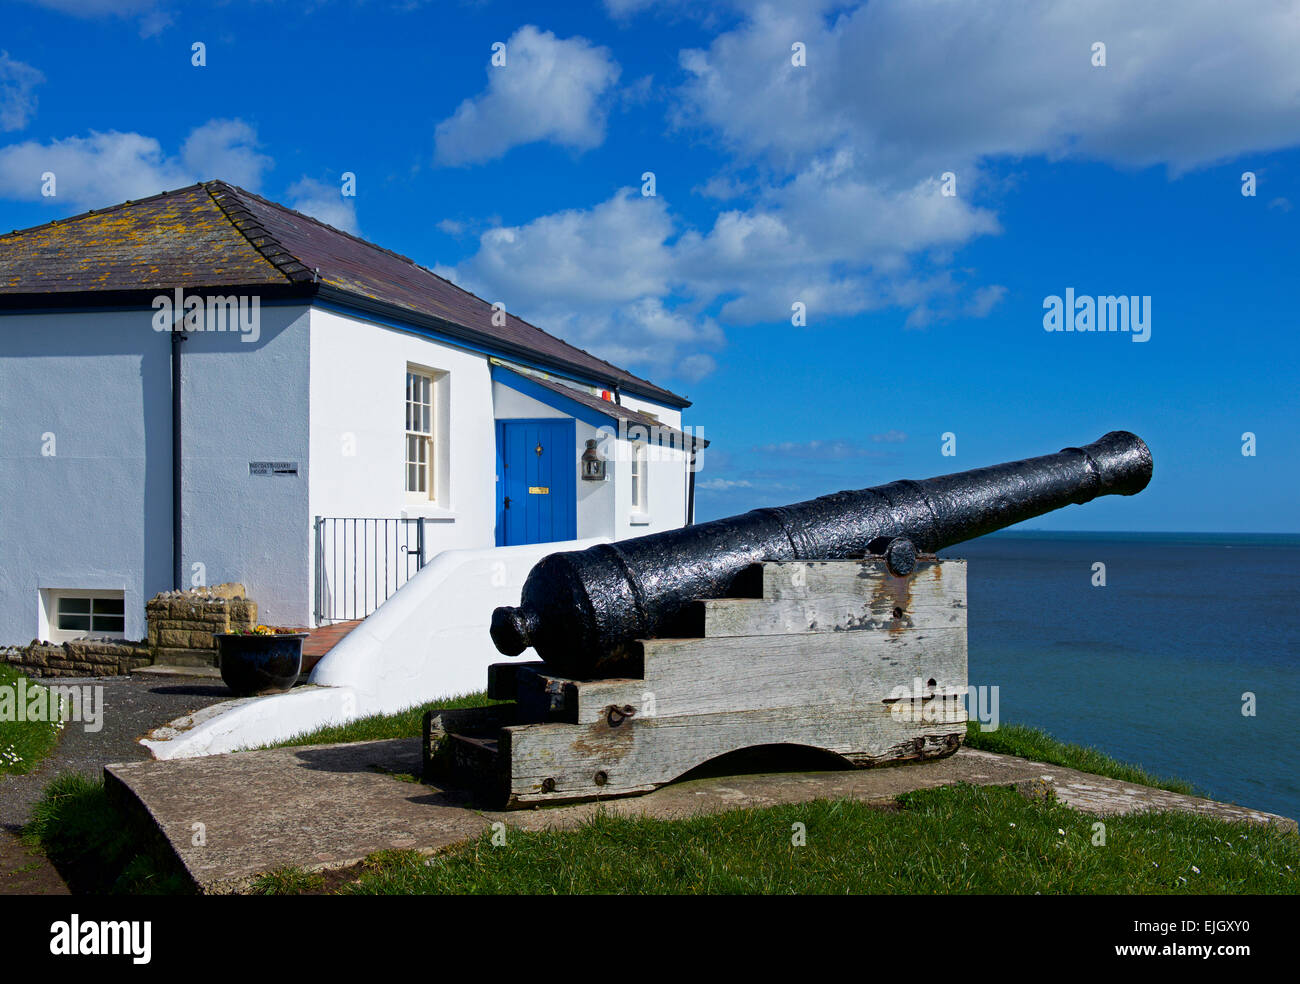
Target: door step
x,y
187,657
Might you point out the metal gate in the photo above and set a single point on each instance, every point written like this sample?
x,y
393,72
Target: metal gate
x,y
361,563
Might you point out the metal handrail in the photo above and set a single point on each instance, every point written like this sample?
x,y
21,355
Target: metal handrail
x,y
361,562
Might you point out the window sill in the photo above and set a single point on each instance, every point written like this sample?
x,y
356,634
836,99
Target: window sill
x,y
438,515
639,519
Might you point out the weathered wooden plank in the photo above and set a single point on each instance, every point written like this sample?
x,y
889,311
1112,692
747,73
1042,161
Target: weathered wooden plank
x,y
940,584
745,673
721,617
558,761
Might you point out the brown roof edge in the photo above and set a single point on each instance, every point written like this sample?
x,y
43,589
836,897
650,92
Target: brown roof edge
x,y
616,411
93,299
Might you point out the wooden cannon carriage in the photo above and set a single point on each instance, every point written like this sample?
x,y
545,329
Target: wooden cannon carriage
x,y
841,656
668,651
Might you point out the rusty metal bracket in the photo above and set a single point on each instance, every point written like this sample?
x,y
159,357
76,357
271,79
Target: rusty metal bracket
x,y
616,715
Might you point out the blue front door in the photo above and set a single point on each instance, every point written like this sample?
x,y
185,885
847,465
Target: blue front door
x,y
537,466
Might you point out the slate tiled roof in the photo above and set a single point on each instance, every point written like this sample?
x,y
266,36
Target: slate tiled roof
x,y
214,235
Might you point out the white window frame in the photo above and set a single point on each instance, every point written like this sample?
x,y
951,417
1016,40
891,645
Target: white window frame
x,y
421,422
639,473
55,600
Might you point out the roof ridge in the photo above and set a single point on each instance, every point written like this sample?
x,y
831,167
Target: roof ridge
x,y
100,211
272,250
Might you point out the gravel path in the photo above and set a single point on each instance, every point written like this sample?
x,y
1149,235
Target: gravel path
x,y
132,706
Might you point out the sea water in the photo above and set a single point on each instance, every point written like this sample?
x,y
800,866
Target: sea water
x,y
1157,666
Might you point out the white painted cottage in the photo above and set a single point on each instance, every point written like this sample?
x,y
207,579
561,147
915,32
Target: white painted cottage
x,y
205,386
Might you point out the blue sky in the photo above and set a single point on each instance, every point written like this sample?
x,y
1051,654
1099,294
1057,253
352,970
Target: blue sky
x,y
775,184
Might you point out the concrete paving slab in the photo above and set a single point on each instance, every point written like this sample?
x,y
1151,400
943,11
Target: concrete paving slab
x,y
232,817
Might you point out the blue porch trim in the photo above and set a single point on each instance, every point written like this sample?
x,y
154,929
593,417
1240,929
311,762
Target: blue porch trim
x,y
556,401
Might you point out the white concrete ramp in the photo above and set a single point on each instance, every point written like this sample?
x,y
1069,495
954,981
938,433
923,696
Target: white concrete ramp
x,y
429,640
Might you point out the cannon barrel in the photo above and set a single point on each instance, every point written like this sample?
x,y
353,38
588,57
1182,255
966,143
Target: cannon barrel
x,y
580,609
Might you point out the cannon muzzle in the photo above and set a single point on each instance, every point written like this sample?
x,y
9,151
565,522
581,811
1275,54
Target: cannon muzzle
x,y
580,609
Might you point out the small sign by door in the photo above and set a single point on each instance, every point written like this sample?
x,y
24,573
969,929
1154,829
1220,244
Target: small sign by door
x,y
538,490
267,468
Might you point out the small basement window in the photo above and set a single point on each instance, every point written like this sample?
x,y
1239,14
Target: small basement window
x,y
87,614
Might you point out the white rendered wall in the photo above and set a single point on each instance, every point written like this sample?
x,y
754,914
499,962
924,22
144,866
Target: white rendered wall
x,y
358,454
97,512
358,407
666,507
246,402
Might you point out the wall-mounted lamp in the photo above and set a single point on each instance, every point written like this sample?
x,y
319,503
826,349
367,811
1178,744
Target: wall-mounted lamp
x,y
593,465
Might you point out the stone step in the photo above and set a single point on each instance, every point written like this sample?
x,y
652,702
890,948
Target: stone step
x,y
185,657
193,672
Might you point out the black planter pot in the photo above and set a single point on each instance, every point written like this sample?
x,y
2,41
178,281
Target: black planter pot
x,y
260,664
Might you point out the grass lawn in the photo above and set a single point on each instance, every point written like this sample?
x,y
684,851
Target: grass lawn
x,y
961,839
403,724
97,847
23,743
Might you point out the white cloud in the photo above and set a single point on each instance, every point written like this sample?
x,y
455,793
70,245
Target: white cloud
x,y
623,280
548,89
153,17
818,450
724,484
601,278
324,202
928,85
225,149
17,98
106,168
833,186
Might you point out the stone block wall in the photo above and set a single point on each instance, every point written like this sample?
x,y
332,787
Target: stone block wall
x,y
85,657
183,621
182,626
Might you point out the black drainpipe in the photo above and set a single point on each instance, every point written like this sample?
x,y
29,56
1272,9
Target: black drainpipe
x,y
690,485
178,578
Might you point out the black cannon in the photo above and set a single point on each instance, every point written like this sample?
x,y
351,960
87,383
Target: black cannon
x,y
580,609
